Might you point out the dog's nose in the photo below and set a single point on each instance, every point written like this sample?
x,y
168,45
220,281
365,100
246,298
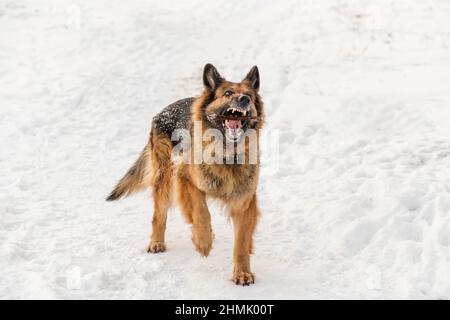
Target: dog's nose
x,y
244,101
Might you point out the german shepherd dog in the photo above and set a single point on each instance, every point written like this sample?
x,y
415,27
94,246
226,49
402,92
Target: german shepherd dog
x,y
231,109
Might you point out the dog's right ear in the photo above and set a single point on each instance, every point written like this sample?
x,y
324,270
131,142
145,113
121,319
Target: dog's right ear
x,y
253,78
211,77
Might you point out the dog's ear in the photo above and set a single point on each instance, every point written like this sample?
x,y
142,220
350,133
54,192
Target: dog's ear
x,y
211,77
253,78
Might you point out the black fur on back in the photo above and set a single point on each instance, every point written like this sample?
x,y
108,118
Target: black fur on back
x,y
175,116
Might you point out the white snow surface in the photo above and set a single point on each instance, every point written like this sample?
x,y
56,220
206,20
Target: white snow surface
x,y
358,205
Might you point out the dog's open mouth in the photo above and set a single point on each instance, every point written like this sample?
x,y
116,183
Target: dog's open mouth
x,y
234,123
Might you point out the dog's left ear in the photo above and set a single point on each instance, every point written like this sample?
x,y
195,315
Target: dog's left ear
x,y
211,77
253,77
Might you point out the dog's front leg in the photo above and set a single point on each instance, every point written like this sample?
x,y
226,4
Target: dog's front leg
x,y
245,216
193,204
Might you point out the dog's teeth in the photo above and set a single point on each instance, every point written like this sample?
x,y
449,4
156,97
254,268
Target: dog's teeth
x,y
236,112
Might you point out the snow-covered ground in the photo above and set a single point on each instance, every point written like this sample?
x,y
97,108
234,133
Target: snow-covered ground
x,y
358,92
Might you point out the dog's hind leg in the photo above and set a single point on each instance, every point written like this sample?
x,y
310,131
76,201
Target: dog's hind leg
x,y
193,205
161,182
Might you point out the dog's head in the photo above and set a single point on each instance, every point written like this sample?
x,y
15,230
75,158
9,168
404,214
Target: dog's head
x,y
231,107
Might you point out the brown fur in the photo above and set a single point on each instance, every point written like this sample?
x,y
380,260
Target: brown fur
x,y
233,184
136,178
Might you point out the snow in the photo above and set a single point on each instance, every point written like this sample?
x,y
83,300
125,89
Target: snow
x,y
358,205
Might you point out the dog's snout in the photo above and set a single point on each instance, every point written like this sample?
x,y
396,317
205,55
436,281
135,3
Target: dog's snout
x,y
244,101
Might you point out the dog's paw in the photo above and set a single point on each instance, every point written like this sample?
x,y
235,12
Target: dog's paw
x,y
156,246
203,242
243,278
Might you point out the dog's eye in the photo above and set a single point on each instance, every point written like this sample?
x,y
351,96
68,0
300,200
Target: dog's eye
x,y
228,93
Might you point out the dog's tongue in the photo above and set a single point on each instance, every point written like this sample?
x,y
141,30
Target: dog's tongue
x,y
233,124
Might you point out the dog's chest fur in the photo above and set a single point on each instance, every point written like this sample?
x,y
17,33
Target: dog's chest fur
x,y
227,181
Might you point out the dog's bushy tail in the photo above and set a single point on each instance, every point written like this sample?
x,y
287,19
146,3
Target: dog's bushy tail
x,y
136,179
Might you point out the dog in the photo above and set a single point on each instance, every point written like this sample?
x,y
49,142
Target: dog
x,y
225,107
